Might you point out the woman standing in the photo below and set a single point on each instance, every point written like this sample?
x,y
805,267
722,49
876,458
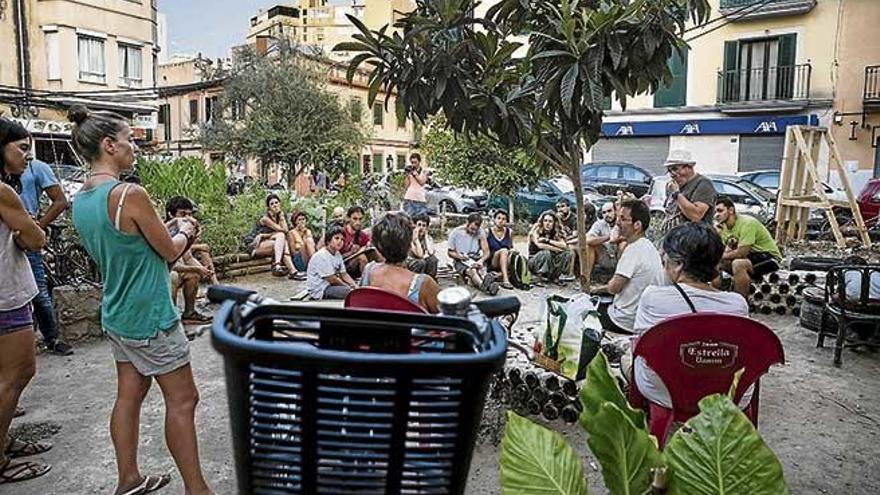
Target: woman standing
x,y
414,200
500,240
18,231
269,238
132,247
548,253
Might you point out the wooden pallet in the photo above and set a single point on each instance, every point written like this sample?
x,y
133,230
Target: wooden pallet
x,y
800,187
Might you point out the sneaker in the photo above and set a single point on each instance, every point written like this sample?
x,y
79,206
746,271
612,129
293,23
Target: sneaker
x,y
567,278
60,348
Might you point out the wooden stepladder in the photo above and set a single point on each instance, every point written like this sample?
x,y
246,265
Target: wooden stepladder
x,y
800,187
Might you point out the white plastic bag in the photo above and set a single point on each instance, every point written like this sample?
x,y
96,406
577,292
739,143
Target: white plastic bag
x,y
571,333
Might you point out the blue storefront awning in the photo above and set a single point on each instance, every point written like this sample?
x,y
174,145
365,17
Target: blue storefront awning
x,y
707,127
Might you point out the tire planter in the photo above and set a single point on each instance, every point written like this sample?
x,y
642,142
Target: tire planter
x,y
811,308
814,263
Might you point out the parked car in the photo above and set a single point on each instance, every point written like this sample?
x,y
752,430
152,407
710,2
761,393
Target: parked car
x,y
609,177
769,179
454,199
747,197
869,202
540,198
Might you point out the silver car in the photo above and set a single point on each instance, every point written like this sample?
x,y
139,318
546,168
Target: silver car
x,y
454,199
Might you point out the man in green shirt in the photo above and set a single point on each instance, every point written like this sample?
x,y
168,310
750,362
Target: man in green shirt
x,y
750,250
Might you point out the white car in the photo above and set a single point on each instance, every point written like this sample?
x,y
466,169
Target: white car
x,y
769,179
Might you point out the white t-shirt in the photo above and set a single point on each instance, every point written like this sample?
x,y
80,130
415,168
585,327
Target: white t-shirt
x,y
659,303
640,264
322,264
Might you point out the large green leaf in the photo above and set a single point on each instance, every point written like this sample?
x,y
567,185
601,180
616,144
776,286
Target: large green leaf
x,y
599,388
627,453
537,460
718,452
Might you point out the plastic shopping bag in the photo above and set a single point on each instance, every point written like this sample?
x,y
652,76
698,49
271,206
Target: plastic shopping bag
x,y
570,336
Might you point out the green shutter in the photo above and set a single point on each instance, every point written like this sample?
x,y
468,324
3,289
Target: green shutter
x,y
786,70
729,84
606,103
674,94
378,168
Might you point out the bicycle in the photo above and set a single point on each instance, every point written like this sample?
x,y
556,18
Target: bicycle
x,y
66,261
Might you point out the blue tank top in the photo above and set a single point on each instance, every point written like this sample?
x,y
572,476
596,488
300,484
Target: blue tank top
x,y
414,287
495,244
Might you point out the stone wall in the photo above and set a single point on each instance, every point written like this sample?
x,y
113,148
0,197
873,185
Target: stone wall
x,y
79,312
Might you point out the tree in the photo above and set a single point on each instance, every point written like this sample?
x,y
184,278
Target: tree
x,y
278,109
470,161
548,99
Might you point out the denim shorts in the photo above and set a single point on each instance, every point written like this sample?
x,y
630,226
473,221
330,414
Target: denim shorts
x,y
160,355
16,319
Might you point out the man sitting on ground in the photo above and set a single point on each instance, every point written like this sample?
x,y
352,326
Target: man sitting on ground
x,y
356,248
568,221
422,255
469,250
639,267
604,243
750,250
326,277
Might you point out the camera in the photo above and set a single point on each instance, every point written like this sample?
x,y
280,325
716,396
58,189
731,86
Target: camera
x,y
409,169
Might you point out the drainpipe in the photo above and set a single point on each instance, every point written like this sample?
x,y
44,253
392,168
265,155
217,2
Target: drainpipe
x,y
21,40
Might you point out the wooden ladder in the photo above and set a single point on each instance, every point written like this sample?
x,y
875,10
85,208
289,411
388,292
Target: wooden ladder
x,y
800,187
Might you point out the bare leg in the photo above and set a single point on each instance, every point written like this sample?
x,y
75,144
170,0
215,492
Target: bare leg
x,y
181,397
265,248
175,286
590,262
499,260
308,250
125,422
190,291
575,254
475,277
742,276
17,367
280,247
203,254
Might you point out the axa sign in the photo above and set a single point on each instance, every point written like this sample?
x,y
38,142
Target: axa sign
x,y
766,127
761,125
690,128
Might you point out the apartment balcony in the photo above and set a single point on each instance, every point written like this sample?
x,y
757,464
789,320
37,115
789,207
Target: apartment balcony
x,y
774,88
746,10
871,95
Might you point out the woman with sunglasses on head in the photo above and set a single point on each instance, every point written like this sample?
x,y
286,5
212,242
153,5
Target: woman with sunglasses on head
x,y
422,255
122,232
18,232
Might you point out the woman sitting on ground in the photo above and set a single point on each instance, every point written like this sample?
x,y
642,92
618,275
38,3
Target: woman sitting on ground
x,y
422,255
392,236
301,243
500,241
269,238
549,255
691,254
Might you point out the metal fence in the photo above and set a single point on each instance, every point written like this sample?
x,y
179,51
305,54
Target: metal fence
x,y
764,84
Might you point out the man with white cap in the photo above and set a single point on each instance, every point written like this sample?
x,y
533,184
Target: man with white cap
x,y
689,196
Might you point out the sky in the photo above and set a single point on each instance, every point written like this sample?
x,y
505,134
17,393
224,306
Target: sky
x,y
211,27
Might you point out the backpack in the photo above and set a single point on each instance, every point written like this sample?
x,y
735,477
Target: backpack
x,y
518,271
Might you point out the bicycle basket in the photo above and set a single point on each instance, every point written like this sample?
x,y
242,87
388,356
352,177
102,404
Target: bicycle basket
x,y
353,402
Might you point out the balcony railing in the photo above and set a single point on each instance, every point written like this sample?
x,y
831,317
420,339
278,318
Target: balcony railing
x,y
778,83
872,85
741,10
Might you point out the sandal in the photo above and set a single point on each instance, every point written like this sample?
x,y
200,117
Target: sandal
x,y
19,411
20,448
506,285
22,471
278,270
149,484
298,276
196,317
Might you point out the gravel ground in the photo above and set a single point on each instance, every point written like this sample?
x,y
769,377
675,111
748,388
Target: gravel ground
x,y
823,422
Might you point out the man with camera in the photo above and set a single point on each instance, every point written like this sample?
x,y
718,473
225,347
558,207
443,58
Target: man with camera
x,y
414,201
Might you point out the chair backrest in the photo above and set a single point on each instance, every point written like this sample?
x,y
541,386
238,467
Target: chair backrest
x,y
698,354
854,288
380,299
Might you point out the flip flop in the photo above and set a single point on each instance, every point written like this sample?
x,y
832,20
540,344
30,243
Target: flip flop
x,y
149,484
19,411
26,449
22,471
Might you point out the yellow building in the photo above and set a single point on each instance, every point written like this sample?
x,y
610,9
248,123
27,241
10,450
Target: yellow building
x,y
86,48
187,100
747,76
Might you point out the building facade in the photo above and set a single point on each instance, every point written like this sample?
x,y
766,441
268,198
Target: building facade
x,y
101,53
760,67
186,103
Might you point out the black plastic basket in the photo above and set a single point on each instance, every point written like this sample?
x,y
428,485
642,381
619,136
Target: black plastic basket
x,y
332,401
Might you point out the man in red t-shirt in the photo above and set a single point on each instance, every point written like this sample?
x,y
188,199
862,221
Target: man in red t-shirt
x,y
356,248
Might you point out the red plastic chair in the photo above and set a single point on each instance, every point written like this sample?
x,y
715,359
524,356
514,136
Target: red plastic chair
x,y
697,355
380,299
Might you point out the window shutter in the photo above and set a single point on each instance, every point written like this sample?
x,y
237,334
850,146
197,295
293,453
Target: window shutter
x,y
785,74
675,94
730,73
